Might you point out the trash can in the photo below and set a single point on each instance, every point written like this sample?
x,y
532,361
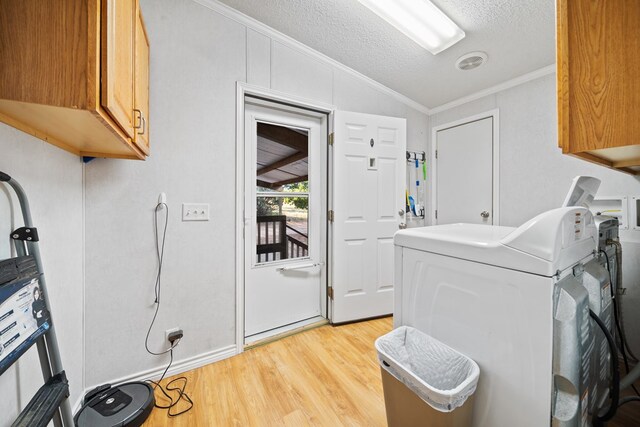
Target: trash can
x,y
425,382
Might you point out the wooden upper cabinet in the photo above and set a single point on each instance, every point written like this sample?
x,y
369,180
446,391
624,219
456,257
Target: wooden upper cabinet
x,y
599,81
118,52
68,74
141,95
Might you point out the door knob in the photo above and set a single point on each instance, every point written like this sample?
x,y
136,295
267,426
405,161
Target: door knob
x,y
402,226
484,214
401,212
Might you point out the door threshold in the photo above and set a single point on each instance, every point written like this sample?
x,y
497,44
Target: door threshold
x,y
276,334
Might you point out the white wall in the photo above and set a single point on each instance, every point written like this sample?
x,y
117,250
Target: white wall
x,y
52,179
197,55
535,176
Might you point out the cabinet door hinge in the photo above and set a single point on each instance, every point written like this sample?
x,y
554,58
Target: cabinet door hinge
x,y
330,216
436,214
330,292
331,136
436,154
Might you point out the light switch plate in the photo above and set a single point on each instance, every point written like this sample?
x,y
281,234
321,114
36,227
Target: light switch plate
x,y
195,211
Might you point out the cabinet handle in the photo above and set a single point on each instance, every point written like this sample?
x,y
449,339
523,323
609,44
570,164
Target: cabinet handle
x,y
144,125
139,114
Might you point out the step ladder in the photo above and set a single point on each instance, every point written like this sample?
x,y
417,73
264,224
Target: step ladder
x,y
17,275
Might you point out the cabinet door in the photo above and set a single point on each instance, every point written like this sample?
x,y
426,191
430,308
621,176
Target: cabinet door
x,y
118,31
142,85
599,81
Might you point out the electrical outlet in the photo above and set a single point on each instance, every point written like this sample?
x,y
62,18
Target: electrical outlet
x,y
195,211
170,333
175,337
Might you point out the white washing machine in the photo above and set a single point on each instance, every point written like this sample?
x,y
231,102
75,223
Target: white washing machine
x,y
512,300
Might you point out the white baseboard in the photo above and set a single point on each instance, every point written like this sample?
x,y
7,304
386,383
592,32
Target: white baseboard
x,y
176,368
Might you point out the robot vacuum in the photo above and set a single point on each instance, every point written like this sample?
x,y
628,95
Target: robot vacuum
x,y
128,404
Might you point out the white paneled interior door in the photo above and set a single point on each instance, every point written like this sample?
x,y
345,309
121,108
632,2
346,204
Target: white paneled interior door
x,y
464,173
368,185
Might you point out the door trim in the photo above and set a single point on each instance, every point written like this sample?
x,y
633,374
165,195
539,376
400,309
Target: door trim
x,y
495,114
244,89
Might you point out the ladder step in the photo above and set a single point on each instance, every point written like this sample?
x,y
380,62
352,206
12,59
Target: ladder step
x,y
44,404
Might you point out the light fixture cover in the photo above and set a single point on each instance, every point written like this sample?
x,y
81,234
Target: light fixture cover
x,y
420,20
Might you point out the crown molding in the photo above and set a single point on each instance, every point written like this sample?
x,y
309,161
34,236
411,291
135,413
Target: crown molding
x,y
550,69
264,29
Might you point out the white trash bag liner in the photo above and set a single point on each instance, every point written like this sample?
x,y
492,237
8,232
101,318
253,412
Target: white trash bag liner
x,y
438,374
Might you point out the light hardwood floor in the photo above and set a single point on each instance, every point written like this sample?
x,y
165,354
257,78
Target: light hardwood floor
x,y
327,376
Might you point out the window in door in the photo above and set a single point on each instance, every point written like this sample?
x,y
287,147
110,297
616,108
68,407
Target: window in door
x,y
282,193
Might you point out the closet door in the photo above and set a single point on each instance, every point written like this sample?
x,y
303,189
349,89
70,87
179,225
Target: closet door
x,y
465,169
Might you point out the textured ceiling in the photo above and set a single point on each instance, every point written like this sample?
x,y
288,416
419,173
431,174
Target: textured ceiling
x,y
518,36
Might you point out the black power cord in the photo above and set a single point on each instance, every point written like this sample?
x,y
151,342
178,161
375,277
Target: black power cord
x,y
618,247
158,285
599,421
169,387
628,399
616,318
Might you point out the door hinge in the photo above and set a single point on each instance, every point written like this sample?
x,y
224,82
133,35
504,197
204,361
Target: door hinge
x,y
330,216
331,136
330,292
436,214
436,154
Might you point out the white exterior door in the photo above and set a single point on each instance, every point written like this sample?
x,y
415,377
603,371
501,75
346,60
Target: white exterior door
x,y
285,218
464,173
368,185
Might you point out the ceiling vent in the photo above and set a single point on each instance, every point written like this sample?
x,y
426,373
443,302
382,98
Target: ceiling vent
x,y
471,60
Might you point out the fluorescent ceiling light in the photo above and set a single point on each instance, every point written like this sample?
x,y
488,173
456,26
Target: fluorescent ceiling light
x,y
420,20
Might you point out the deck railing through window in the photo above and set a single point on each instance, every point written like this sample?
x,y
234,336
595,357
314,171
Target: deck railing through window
x,y
297,246
276,240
